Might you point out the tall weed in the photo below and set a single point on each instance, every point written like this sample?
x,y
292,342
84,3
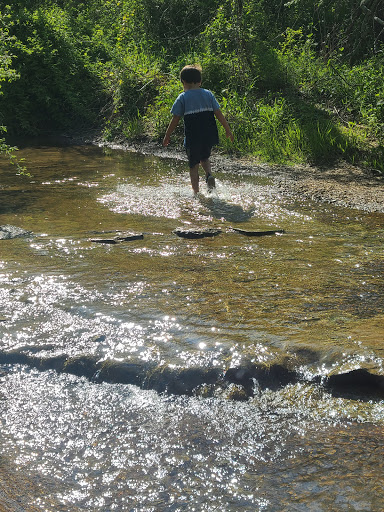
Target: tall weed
x,y
158,113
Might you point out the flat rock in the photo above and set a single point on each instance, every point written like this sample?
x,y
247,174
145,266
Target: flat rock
x,y
8,232
120,237
195,233
127,237
104,240
259,233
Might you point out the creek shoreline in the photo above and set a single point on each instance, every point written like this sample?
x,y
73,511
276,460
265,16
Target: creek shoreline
x,y
342,184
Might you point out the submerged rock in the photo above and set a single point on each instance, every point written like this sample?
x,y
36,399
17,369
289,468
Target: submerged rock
x,y
237,393
195,233
8,232
128,237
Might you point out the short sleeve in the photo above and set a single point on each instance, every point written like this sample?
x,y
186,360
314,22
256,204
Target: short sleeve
x,y
215,103
178,108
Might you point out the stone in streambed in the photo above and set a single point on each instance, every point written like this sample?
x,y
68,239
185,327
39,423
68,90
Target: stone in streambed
x,y
8,232
104,241
259,233
237,393
128,237
359,382
121,237
195,233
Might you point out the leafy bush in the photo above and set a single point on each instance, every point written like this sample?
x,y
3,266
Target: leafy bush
x,y
57,88
299,81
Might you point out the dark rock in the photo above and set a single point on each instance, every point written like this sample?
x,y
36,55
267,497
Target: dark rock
x,y
259,233
121,237
358,383
104,240
238,393
195,233
128,237
272,377
8,232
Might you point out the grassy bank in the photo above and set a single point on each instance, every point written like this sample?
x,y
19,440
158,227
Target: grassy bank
x,y
282,74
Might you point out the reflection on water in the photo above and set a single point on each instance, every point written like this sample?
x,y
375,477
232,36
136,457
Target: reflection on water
x,y
124,449
310,300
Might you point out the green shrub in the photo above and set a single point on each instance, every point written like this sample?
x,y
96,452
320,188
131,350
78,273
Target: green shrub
x,y
57,88
158,114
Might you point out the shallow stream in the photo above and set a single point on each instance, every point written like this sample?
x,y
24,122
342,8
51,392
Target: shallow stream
x,y
229,373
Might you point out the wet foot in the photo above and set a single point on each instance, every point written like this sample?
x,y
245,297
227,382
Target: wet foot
x,y
211,182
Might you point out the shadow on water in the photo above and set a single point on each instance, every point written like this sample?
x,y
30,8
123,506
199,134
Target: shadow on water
x,y
59,158
222,209
201,381
13,201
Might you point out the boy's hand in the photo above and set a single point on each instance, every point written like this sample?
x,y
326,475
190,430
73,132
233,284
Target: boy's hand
x,y
229,135
219,116
172,125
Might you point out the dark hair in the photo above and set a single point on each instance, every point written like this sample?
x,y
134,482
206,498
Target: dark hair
x,y
190,75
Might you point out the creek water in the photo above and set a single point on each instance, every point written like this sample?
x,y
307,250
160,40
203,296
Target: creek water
x,y
171,374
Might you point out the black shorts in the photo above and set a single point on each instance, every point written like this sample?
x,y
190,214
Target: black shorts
x,y
197,153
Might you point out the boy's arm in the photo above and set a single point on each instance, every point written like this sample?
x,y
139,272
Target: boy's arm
x,y
220,117
172,125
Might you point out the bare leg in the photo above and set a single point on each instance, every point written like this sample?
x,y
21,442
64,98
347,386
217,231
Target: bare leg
x,y
194,174
206,165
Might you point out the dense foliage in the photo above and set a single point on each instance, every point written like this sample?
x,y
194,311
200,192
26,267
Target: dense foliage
x,y
299,80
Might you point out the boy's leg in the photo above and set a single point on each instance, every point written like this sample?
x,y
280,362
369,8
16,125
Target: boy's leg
x,y
194,162
206,165
194,174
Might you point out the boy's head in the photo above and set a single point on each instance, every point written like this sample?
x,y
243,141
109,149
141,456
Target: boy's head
x,y
191,75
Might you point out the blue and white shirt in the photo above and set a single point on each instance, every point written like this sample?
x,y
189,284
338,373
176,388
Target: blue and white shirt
x,y
197,106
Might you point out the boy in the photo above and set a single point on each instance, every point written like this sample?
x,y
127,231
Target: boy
x,y
199,108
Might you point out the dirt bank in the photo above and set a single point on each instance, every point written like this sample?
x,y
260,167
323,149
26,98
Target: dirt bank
x,y
343,185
